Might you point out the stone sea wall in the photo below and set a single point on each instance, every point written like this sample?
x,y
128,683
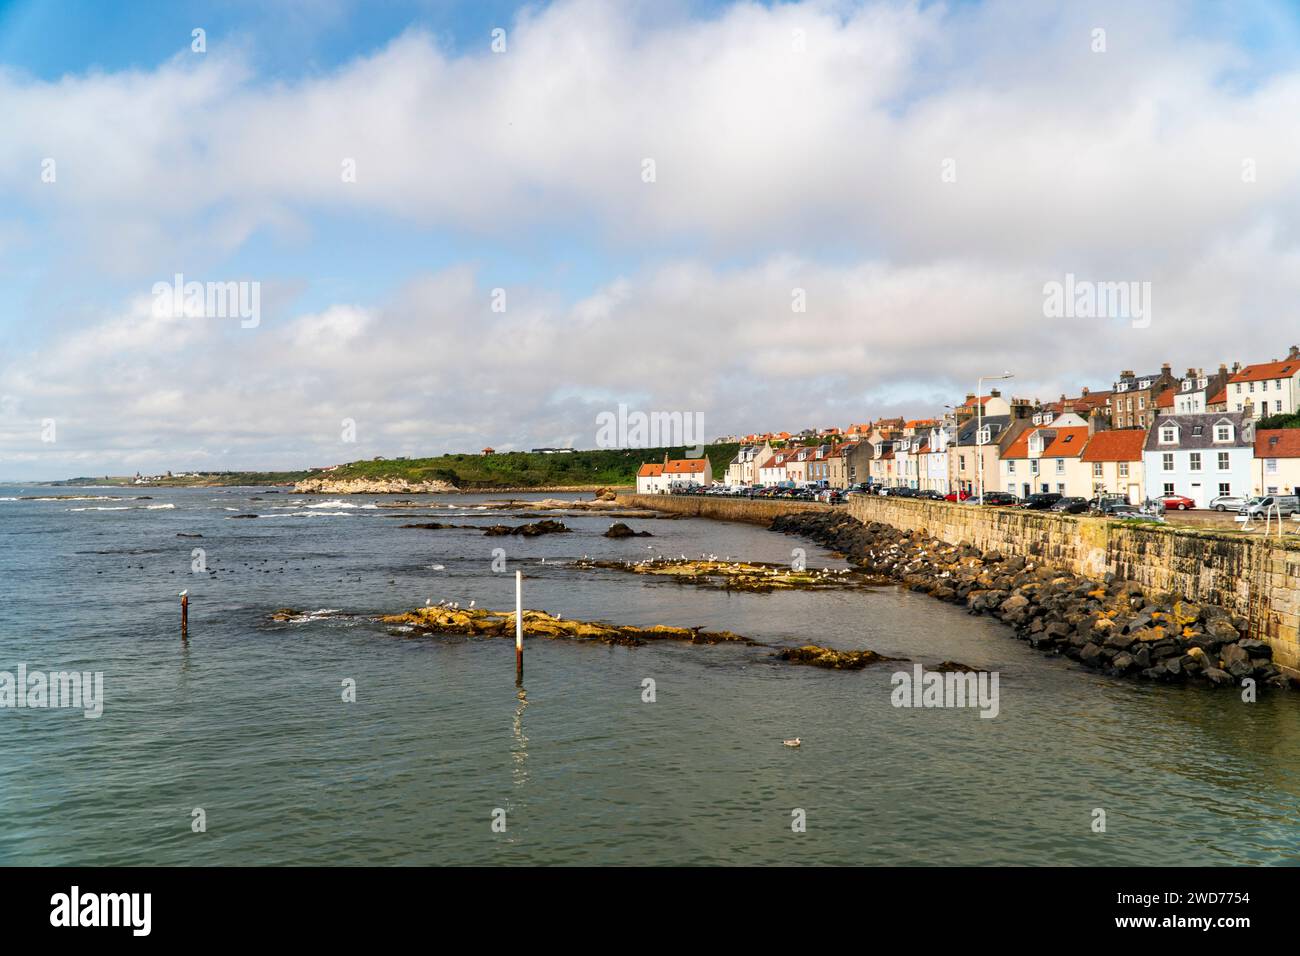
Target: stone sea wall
x,y
724,509
1251,576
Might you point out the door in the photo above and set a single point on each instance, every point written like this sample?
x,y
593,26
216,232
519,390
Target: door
x,y
1198,494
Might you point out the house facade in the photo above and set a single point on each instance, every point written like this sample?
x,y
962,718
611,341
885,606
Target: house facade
x,y
1047,458
1133,398
650,480
1114,463
1271,388
1277,461
698,471
1199,456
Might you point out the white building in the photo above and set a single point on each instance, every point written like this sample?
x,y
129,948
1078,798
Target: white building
x,y
1200,456
1271,388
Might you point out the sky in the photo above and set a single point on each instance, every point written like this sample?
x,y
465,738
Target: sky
x,y
486,223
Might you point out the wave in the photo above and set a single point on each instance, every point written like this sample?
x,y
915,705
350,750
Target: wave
x,y
102,508
301,514
158,507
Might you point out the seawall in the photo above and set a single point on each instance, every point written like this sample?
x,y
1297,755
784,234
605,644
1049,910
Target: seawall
x,y
758,511
1253,576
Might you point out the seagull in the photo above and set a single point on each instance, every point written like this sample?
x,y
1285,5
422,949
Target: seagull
x,y
185,592
437,567
471,603
793,743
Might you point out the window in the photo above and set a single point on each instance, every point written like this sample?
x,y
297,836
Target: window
x,y
1123,469
1167,461
1060,466
1223,433
1224,461
1238,389
1252,386
1011,467
1033,466
1142,404
1263,408
1270,466
1194,461
1272,489
1168,435
1096,469
1169,488
1197,431
1225,488
1060,488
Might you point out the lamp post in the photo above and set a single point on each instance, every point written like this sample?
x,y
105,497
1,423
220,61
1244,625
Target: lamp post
x,y
979,424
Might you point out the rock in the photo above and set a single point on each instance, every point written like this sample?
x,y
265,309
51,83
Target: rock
x,y
1185,613
1090,655
545,526
619,530
816,656
284,614
1217,677
1121,663
1120,641
1256,648
371,486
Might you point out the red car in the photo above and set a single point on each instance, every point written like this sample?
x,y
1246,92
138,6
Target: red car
x,y
1176,502
956,495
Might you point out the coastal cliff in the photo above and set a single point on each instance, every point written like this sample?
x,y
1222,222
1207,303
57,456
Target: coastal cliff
x,y
372,486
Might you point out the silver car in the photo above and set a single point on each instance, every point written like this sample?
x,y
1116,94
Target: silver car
x,y
1228,502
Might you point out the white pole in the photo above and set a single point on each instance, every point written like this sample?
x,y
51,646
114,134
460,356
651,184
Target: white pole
x,y
519,624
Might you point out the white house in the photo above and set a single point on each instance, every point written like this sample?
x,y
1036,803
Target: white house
x,y
1271,388
1200,456
650,480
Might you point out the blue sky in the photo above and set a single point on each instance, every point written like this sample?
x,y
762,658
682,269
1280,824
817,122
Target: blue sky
x,y
796,146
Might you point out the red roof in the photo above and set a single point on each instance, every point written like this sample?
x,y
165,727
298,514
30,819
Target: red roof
x,y
1220,397
684,466
649,470
1166,399
1265,370
1124,444
1068,443
1277,443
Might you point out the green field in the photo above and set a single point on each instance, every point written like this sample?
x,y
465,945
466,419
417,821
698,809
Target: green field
x,y
530,469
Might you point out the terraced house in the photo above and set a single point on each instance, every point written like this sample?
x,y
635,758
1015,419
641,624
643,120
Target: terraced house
x,y
1270,388
1277,461
1114,462
1200,456
1047,458
1133,402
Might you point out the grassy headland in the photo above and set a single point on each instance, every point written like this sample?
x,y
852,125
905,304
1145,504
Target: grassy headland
x,y
615,466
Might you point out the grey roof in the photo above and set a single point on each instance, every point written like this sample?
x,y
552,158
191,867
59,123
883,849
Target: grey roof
x,y
995,423
1242,437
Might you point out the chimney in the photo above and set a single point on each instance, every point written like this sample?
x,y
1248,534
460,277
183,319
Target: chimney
x,y
1236,367
1096,422
1294,353
1223,368
1164,369
1085,391
1191,373
1127,373
994,393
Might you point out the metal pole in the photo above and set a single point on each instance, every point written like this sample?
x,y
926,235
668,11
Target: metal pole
x,y
185,614
519,626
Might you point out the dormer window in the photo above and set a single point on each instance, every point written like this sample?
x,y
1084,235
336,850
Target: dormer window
x,y
1146,383
1223,432
1202,382
1187,385
983,437
1123,386
1168,434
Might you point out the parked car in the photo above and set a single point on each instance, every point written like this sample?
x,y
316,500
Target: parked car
x,y
1000,498
1104,504
1228,502
1259,507
957,495
1071,506
1176,502
1134,513
1041,501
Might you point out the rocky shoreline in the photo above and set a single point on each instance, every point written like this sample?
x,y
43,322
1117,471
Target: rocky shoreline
x,y
1110,625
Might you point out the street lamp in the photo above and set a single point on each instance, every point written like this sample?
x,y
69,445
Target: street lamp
x,y
979,423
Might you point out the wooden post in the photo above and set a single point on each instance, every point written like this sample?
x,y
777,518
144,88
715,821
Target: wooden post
x,y
519,627
185,614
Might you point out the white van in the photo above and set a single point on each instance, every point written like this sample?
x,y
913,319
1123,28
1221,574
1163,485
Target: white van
x,y
1259,507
